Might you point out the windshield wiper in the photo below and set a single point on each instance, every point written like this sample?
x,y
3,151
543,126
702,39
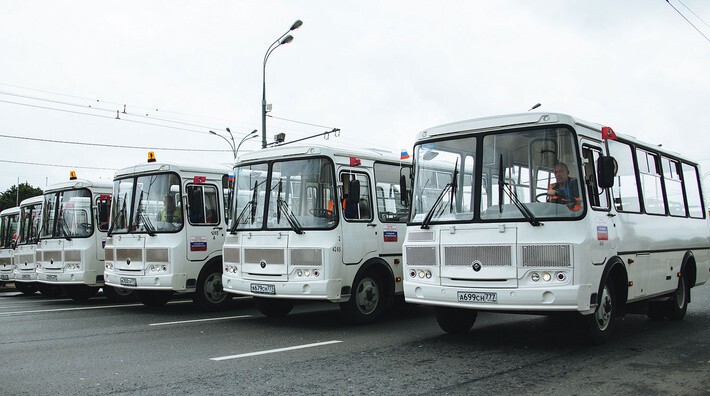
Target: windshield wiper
x,y
290,217
505,187
449,187
149,228
65,227
120,211
250,205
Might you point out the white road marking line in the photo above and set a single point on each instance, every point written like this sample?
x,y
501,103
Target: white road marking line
x,y
84,308
275,350
200,320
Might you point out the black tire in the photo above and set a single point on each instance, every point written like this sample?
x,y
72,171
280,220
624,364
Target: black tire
x,y
26,288
455,320
209,294
153,298
119,294
677,307
600,325
273,307
367,300
51,291
81,292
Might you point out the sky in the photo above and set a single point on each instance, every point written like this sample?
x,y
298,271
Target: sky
x,y
161,74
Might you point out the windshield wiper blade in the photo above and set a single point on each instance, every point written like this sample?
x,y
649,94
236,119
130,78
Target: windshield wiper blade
x,y
150,229
430,213
238,219
65,228
290,217
529,216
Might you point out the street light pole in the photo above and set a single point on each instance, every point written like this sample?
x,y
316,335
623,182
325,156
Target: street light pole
x,y
231,144
281,40
250,135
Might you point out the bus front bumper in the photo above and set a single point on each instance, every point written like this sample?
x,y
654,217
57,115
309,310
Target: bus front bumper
x,y
166,282
542,299
70,278
303,290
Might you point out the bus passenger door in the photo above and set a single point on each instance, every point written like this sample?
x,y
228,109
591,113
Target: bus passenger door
x,y
360,231
205,233
602,215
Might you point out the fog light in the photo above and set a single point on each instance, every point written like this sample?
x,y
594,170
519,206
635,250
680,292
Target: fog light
x,y
535,277
421,274
546,276
428,274
299,273
561,276
412,273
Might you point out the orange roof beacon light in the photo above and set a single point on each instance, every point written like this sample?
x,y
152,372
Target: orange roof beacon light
x,y
151,156
72,175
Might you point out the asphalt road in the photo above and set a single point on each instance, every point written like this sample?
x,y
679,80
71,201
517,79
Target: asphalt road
x,y
63,347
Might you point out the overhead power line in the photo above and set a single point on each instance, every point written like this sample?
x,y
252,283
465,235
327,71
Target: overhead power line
x,y
111,145
693,12
687,20
56,165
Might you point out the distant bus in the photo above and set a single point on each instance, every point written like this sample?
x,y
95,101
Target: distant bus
x,y
168,222
318,223
70,253
9,220
541,213
25,265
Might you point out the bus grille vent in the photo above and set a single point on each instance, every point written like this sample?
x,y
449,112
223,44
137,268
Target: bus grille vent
x,y
546,255
489,256
421,255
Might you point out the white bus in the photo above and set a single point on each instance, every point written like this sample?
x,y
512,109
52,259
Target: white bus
x,y
541,215
25,266
318,223
9,220
167,230
70,253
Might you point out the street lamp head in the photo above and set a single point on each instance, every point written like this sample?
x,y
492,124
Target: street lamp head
x,y
296,24
213,133
254,131
227,128
287,39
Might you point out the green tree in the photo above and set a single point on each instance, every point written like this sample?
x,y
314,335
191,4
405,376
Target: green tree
x,y
8,198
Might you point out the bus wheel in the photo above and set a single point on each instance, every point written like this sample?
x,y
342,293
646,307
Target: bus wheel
x,y
455,320
52,291
676,308
153,298
81,292
118,294
209,294
367,300
600,324
273,307
27,288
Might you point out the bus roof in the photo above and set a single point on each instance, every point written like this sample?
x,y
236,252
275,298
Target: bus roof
x,y
32,201
153,167
372,154
10,211
509,121
98,185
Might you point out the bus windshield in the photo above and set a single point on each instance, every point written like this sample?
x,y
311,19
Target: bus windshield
x,y
524,176
8,230
67,214
147,204
300,195
29,229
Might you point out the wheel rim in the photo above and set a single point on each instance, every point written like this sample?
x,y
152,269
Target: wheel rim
x,y
367,296
213,288
604,311
680,293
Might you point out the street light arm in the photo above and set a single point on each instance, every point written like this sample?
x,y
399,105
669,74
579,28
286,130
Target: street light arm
x,y
231,144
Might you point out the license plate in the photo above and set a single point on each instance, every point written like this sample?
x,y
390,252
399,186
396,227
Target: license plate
x,y
4,277
263,289
25,276
477,297
52,277
128,282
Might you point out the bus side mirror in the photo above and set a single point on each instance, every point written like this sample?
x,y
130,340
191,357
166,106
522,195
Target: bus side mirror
x,y
403,193
606,170
354,192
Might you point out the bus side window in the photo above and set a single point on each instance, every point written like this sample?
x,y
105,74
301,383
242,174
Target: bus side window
x,y
598,198
203,205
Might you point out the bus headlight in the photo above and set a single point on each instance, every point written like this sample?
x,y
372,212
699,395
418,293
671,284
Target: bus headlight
x,y
546,276
535,277
230,269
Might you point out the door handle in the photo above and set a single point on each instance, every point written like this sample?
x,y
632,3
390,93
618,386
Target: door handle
x,y
372,225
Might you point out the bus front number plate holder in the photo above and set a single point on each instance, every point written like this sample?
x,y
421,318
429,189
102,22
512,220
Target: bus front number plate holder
x,y
260,288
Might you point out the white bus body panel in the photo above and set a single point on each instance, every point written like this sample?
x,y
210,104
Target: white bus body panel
x,y
7,255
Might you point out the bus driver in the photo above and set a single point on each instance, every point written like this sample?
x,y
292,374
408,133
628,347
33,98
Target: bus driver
x,y
566,189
